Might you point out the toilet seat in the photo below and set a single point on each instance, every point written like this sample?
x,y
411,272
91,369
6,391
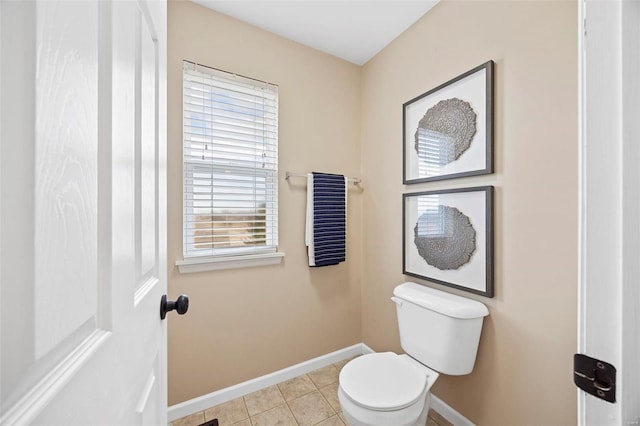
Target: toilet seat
x,y
382,382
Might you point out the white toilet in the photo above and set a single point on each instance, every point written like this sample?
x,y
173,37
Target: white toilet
x,y
439,332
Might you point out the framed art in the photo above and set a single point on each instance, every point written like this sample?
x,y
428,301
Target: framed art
x,y
448,131
448,237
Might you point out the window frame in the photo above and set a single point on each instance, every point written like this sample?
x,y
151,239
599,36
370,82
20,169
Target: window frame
x,y
205,259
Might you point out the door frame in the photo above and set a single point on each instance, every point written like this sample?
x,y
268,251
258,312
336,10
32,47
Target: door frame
x,y
609,206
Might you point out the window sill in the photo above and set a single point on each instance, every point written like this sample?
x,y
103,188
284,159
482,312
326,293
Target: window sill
x,y
202,264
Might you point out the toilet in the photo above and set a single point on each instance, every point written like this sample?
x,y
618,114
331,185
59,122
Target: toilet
x,y
439,332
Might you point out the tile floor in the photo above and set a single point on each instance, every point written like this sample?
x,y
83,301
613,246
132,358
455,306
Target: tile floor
x,y
310,399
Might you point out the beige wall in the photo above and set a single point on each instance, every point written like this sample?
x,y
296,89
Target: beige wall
x,y
244,323
523,370
337,117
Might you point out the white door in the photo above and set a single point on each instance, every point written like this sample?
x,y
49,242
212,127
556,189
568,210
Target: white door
x,y
83,258
609,305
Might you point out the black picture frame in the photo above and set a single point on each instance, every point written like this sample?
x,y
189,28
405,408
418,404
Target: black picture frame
x,y
420,164
441,219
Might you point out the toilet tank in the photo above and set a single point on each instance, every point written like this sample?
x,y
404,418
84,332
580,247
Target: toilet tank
x,y
439,329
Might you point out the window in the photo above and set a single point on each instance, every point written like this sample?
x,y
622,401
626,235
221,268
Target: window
x,y
432,221
230,166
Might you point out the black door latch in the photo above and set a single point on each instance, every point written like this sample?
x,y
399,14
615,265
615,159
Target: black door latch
x,y
595,377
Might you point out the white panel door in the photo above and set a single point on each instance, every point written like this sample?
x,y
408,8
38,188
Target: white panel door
x,y
609,298
83,225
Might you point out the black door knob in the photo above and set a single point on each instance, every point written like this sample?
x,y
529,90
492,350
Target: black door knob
x,y
181,305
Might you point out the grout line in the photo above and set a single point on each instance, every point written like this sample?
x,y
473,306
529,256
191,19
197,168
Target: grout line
x,y
220,396
246,409
286,403
316,388
291,411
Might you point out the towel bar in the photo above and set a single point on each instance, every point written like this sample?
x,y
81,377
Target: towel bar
x,y
287,175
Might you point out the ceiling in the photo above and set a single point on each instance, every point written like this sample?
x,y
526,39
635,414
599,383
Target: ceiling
x,y
354,30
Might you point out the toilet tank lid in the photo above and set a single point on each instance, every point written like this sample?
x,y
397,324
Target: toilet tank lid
x,y
440,301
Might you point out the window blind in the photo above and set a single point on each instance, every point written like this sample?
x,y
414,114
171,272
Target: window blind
x,y
230,159
432,220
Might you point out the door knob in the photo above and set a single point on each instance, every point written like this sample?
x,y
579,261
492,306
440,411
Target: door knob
x,y
181,305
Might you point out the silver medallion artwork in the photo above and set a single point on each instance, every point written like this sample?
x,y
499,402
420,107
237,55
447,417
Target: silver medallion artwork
x,y
445,238
445,132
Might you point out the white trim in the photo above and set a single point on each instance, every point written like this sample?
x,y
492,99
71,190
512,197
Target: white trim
x,y
30,405
144,289
608,267
449,413
146,393
630,368
236,391
202,264
581,194
232,392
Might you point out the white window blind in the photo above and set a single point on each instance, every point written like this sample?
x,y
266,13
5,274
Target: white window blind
x,y
432,220
230,156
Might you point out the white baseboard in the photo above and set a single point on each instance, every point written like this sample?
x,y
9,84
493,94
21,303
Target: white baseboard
x,y
449,413
236,391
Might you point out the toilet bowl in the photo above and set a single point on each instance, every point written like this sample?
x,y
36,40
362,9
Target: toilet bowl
x,y
385,389
439,332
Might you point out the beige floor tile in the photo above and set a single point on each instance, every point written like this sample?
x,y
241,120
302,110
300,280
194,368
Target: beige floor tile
x,y
330,392
332,421
278,416
263,400
194,419
296,387
441,421
311,409
431,422
228,413
344,362
324,376
311,399
344,420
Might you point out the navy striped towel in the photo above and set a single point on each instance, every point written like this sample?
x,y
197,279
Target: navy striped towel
x,y
326,231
